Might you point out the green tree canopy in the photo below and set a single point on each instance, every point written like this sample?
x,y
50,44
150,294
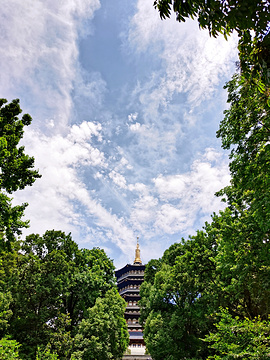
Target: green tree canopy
x,y
225,265
238,338
103,334
52,286
177,299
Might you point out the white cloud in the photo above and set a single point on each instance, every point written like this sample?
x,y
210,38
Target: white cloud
x,y
137,127
143,214
172,186
172,220
138,187
193,62
118,179
132,117
85,131
193,192
60,199
175,203
38,54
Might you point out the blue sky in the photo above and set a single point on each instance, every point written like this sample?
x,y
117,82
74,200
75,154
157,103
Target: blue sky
x,y
125,109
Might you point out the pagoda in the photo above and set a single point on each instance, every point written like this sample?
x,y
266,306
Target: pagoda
x,y
129,279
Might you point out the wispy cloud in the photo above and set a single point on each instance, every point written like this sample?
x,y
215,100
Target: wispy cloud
x,y
194,62
38,54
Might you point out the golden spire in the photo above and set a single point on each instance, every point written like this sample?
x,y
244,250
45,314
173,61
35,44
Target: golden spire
x,y
137,253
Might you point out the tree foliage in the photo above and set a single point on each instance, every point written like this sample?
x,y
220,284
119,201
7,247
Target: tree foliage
x,y
240,338
16,167
54,284
177,301
16,170
219,16
9,349
51,289
102,334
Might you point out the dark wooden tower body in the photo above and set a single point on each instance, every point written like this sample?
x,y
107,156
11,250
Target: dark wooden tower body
x,y
129,280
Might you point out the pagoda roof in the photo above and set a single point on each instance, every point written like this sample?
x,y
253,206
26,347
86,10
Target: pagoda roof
x,y
129,267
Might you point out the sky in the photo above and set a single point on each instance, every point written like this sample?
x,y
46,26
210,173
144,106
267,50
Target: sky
x,y
125,111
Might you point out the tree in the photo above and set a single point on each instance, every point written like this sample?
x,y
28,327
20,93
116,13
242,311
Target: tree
x,y
176,303
54,285
220,16
103,334
16,170
37,289
90,277
245,225
246,129
243,264
16,167
240,338
225,265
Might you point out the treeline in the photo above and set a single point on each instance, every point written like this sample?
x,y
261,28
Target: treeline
x,y
56,301
208,297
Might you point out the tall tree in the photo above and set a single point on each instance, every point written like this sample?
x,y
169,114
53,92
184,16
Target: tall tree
x,y
16,170
38,288
91,275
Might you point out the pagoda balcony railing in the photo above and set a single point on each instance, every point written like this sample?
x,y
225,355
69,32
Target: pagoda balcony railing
x,y
128,311
132,307
130,274
137,325
122,291
134,296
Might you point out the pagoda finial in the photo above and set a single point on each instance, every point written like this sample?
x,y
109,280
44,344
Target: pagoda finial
x,y
137,253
